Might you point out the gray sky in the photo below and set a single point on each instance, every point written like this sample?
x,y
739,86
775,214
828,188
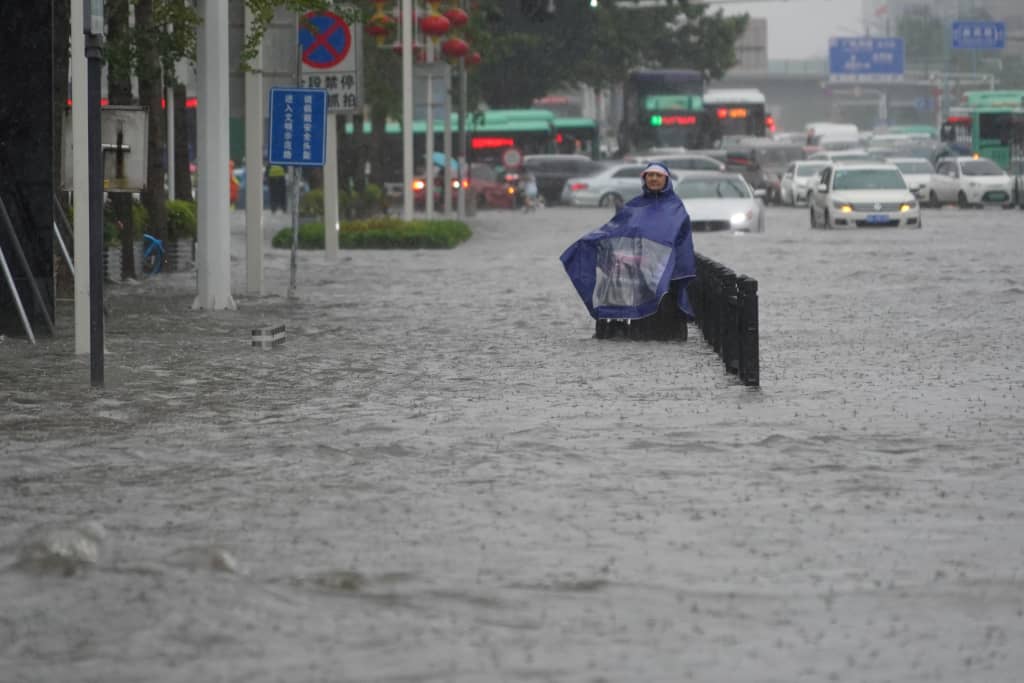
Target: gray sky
x,y
798,29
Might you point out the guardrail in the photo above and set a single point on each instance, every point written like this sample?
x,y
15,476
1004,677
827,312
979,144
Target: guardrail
x,y
725,305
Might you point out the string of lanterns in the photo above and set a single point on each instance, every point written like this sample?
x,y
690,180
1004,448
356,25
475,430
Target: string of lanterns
x,y
435,24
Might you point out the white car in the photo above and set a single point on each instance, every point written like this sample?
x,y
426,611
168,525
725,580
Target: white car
x,y
863,195
610,186
917,172
797,181
970,182
721,201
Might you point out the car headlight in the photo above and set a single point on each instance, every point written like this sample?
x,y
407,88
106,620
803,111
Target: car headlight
x,y
741,218
907,206
844,207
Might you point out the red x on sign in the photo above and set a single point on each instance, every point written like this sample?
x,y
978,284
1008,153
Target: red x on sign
x,y
325,39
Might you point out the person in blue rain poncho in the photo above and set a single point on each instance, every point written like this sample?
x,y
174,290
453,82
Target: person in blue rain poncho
x,y
632,272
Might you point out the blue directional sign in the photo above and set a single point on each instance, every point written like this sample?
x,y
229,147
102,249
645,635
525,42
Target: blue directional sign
x,y
979,35
865,59
298,125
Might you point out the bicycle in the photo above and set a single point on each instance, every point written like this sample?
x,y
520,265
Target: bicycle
x,y
153,255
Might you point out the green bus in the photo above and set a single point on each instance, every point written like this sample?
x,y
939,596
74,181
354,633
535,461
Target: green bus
x,y
990,122
489,135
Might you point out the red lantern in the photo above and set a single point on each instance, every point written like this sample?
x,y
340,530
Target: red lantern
x,y
380,26
435,25
454,48
457,16
473,58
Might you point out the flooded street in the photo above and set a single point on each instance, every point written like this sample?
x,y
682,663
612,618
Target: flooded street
x,y
441,476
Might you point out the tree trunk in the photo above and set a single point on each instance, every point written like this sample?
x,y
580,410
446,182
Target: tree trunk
x,y
151,96
182,143
119,89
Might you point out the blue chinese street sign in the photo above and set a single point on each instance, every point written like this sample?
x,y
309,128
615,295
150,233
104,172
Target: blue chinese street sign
x,y
298,125
865,59
979,35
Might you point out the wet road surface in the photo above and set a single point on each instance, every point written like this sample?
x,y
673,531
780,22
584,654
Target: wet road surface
x,y
441,476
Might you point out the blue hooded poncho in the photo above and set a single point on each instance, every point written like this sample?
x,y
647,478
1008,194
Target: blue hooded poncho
x,y
624,268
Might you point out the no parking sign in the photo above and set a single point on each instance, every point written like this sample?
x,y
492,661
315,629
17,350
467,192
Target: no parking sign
x,y
331,50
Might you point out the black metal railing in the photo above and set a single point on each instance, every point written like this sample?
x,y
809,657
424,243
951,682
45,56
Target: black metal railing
x,y
725,305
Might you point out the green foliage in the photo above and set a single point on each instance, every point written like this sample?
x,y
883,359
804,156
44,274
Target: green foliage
x,y
312,203
113,227
599,45
370,202
181,219
381,233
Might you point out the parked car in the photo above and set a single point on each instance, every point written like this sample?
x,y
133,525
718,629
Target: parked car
x,y
721,201
863,194
917,172
609,186
970,181
552,170
797,181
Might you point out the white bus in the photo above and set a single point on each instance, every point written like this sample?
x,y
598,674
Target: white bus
x,y
735,112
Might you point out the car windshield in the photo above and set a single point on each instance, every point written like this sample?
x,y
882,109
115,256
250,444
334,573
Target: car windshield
x,y
805,170
981,167
921,166
868,179
712,188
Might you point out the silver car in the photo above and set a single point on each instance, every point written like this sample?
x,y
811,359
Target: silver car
x,y
721,201
917,172
608,187
797,181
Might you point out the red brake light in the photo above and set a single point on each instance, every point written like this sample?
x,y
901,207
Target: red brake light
x,y
576,187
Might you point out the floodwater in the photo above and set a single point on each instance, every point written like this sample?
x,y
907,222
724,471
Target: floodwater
x,y
441,476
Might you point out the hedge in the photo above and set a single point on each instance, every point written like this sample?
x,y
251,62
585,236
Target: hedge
x,y
385,232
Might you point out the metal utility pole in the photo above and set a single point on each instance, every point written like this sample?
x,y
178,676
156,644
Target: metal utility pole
x,y
407,198
93,30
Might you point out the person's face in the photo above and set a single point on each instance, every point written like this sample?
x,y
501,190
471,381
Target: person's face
x,y
655,181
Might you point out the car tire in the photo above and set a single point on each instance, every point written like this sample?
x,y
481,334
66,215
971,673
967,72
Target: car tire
x,y
961,200
609,199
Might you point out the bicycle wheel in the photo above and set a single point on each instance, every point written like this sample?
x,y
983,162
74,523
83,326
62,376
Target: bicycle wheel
x,y
153,256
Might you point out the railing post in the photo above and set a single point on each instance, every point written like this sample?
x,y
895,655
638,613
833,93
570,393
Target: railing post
x,y
749,369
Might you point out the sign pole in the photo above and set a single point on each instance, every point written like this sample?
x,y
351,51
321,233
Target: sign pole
x,y
80,181
294,175
448,148
331,190
93,29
